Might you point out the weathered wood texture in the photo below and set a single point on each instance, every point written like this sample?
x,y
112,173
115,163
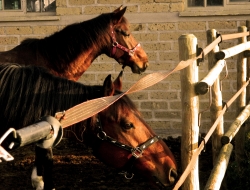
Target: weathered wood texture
x,y
235,126
241,101
216,105
203,86
226,53
190,109
219,169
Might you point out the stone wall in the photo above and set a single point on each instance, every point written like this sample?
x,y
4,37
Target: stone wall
x,y
156,24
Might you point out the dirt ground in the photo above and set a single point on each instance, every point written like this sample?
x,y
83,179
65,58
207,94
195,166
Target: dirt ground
x,y
76,168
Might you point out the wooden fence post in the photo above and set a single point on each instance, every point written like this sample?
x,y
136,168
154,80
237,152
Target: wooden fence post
x,y
241,101
247,123
216,105
190,109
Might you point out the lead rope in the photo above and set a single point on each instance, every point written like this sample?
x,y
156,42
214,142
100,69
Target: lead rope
x,y
89,108
202,145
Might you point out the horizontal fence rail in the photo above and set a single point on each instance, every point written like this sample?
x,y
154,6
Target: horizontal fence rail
x,y
202,87
224,54
235,126
219,170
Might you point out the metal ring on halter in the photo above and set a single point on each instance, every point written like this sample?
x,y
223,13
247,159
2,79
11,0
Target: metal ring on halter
x,y
127,175
102,135
115,44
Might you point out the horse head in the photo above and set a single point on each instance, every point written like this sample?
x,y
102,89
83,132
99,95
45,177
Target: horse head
x,y
125,49
123,140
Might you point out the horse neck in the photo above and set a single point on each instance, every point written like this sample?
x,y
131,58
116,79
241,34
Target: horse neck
x,y
83,43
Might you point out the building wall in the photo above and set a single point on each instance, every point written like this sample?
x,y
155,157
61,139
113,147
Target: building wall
x,y
157,26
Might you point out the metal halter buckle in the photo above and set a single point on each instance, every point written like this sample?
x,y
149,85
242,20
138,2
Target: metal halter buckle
x,y
136,152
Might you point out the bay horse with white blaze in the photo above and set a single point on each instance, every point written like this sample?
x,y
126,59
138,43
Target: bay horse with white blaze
x,y
118,135
69,52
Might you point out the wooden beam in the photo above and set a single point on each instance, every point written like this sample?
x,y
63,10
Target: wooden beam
x,y
203,86
241,100
226,53
235,126
190,109
219,170
216,105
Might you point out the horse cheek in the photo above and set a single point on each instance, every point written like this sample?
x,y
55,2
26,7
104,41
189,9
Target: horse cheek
x,y
112,155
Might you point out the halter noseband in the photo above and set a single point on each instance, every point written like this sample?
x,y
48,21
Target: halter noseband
x,y
135,152
115,45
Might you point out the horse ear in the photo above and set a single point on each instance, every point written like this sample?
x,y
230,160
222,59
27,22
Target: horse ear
x,y
118,82
108,86
118,14
118,9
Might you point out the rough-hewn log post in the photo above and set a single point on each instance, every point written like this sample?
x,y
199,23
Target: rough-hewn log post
x,y
241,101
216,105
190,109
236,125
219,170
247,123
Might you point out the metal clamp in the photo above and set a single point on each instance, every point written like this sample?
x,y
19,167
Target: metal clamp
x,y
47,133
56,133
4,155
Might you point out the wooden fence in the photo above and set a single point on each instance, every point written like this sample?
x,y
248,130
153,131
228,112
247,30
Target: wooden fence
x,y
192,89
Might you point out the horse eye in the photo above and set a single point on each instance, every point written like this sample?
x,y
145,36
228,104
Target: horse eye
x,y
124,33
128,126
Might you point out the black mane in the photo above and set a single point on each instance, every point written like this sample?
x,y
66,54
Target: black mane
x,y
28,93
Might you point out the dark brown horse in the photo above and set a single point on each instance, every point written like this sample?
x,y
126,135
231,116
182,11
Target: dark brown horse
x,y
118,135
69,52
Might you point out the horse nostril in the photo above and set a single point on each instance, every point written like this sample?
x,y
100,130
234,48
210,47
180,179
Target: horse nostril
x,y
172,175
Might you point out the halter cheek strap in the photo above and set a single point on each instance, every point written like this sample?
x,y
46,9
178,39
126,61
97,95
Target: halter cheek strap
x,y
136,152
116,45
127,169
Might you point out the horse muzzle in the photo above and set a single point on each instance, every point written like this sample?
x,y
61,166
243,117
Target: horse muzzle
x,y
172,179
138,70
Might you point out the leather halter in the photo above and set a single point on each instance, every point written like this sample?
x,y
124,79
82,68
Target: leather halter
x,y
136,152
116,45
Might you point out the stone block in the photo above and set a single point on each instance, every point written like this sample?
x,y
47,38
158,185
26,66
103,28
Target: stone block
x,y
18,30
